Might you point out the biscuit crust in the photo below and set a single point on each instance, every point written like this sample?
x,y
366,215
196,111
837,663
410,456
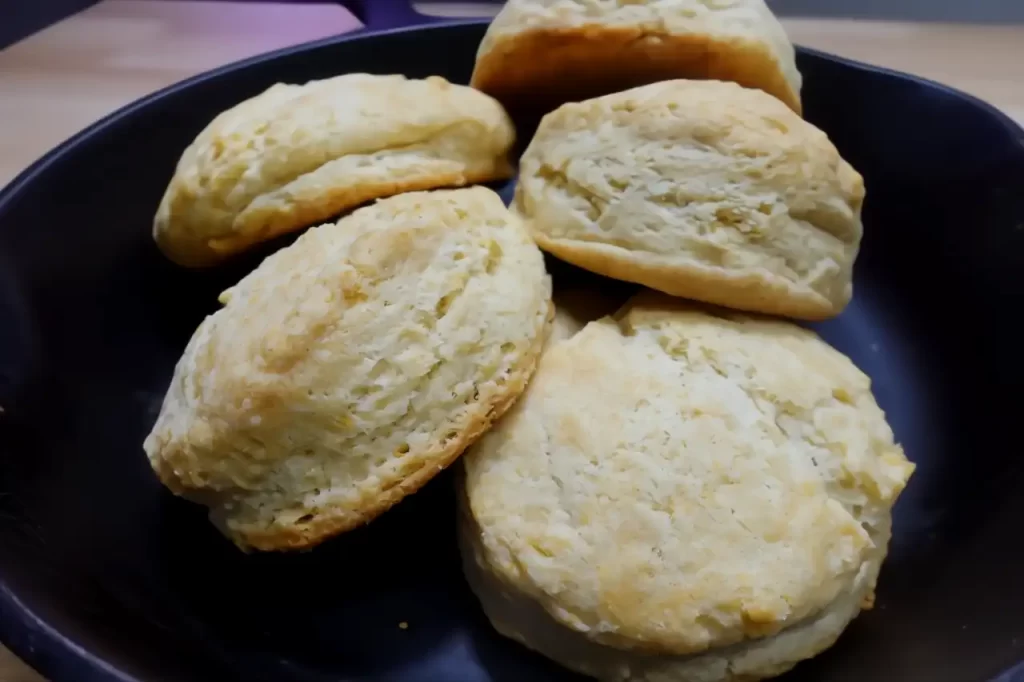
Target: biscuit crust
x,y
515,615
351,367
557,51
676,483
296,155
700,189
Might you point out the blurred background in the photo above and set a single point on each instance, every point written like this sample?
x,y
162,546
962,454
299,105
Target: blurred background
x,y
19,18
987,11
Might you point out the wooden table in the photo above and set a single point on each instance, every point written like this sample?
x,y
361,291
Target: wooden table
x,y
60,80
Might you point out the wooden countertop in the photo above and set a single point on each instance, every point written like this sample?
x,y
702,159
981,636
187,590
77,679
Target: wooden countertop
x,y
56,82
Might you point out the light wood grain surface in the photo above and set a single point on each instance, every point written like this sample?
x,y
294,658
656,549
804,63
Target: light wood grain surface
x,y
58,81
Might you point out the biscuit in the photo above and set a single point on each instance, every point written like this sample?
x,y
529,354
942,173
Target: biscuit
x,y
682,495
296,155
351,367
700,189
556,51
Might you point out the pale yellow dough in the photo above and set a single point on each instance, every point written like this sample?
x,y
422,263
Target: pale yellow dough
x,y
553,51
296,155
700,189
682,496
351,367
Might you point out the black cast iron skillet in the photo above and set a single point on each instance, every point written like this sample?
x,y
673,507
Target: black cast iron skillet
x,y
105,576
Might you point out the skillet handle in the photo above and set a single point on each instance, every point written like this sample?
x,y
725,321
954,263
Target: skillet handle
x,y
382,15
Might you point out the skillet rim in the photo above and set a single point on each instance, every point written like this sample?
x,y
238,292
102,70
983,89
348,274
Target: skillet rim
x,y
56,656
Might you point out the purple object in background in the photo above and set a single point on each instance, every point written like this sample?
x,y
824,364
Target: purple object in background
x,y
381,15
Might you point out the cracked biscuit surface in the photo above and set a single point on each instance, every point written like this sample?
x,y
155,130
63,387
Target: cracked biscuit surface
x,y
554,51
682,495
700,189
351,367
296,155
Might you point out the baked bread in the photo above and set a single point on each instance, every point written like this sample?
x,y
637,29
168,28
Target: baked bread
x,y
351,367
700,189
682,495
296,155
555,51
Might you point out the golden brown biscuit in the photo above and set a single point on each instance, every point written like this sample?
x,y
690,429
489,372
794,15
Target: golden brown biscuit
x,y
682,495
351,367
299,154
555,51
700,189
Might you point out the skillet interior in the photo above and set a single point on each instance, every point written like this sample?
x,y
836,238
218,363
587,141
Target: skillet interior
x,y
104,576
